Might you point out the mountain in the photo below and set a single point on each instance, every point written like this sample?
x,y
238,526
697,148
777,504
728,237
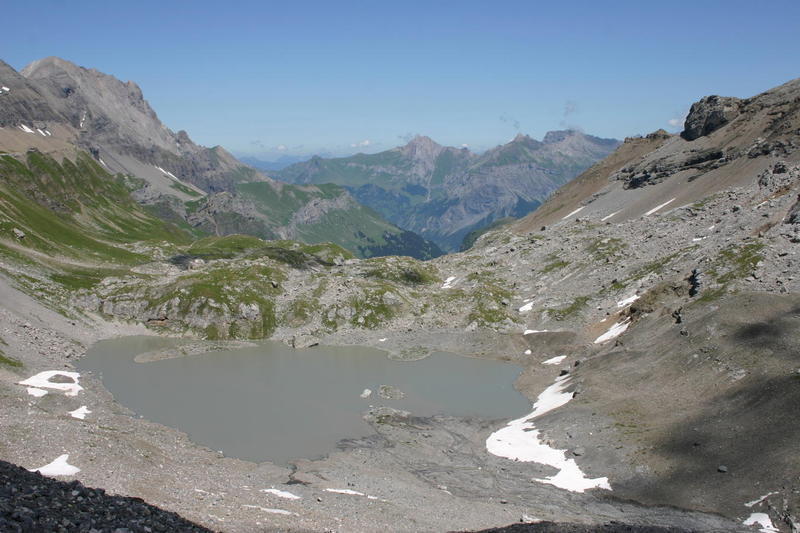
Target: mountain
x,y
444,193
273,165
652,305
58,107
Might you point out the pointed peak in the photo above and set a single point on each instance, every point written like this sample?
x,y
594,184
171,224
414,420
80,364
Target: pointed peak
x,y
552,137
419,141
521,137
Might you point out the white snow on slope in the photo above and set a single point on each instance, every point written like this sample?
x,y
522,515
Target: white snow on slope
x,y
269,510
42,381
656,208
351,493
59,467
25,128
532,331
346,491
761,519
6,89
528,352
281,494
574,212
43,134
519,441
80,413
615,331
38,393
448,283
627,301
608,216
554,360
525,308
366,393
760,499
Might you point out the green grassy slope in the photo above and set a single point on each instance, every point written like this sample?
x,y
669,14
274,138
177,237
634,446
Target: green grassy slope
x,y
79,222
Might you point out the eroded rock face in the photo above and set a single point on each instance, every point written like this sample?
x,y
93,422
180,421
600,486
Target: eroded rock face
x,y
710,114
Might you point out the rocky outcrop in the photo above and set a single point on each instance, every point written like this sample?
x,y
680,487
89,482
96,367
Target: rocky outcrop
x,y
30,501
710,114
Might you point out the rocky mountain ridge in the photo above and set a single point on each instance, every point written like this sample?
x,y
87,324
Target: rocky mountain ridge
x,y
59,108
443,193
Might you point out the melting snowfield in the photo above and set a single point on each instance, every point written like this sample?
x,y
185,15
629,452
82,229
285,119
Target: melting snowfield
x,y
614,331
43,380
520,441
59,467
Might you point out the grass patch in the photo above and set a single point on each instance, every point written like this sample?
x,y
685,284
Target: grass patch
x,y
185,190
554,264
401,270
607,248
9,361
741,259
570,310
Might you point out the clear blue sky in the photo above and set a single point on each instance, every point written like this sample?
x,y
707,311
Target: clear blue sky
x,y
323,76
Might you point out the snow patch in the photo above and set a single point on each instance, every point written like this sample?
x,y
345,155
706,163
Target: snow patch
x,y
269,510
281,494
366,394
761,519
614,331
346,491
759,500
528,352
25,128
519,441
525,308
574,212
627,301
448,283
102,162
59,467
80,413
608,216
698,239
532,331
42,381
656,208
554,360
6,89
38,393
43,134
382,340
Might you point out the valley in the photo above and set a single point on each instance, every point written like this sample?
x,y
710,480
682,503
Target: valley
x,y
650,306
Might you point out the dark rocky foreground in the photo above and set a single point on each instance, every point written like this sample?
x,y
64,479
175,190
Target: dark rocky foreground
x,y
32,502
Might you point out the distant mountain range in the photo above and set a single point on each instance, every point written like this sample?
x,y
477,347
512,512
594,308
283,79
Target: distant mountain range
x,y
274,164
60,109
444,193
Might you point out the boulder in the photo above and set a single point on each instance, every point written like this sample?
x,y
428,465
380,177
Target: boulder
x,y
710,114
18,233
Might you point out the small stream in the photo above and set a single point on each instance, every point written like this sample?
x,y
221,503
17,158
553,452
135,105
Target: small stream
x,y
274,403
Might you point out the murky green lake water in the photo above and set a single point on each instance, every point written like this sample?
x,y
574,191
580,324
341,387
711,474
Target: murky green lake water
x,y
274,403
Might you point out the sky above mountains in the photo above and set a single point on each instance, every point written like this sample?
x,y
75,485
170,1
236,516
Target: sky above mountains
x,y
268,78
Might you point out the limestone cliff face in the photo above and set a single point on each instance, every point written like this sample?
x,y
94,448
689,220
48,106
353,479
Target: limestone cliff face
x,y
112,117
